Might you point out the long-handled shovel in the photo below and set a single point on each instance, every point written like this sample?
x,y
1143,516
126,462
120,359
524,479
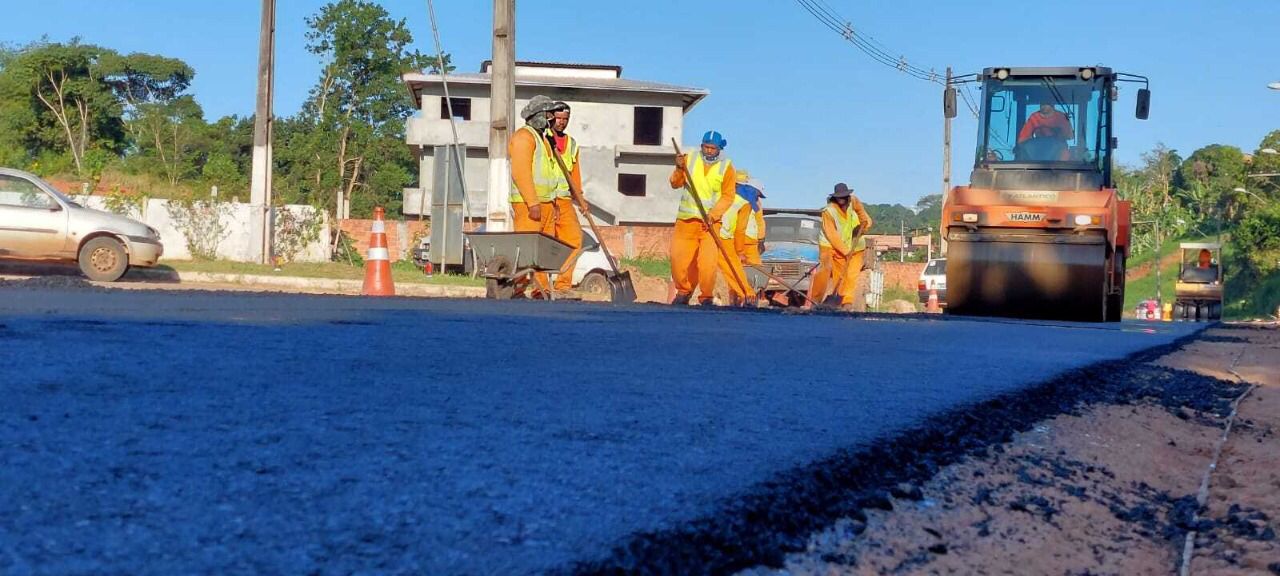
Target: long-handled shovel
x,y
697,200
621,289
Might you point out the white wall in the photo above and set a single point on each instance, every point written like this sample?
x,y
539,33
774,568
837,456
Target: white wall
x,y
234,246
603,124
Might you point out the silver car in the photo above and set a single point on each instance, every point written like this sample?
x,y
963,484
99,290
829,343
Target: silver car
x,y
39,223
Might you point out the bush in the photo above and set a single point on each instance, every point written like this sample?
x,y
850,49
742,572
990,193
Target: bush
x,y
201,222
295,229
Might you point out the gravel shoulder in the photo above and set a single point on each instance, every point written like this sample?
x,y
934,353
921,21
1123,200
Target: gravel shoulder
x,y
1107,488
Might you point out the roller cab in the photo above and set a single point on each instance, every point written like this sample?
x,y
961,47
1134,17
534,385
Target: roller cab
x,y
1040,232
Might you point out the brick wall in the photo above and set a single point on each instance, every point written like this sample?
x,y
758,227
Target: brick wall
x,y
399,234
647,241
905,275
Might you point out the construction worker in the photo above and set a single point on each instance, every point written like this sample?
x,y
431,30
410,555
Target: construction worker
x,y
1048,122
730,233
1204,259
536,177
1050,130
841,247
567,201
751,219
694,256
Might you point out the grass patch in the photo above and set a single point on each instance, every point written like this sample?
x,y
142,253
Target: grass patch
x,y
1145,288
655,267
892,293
404,272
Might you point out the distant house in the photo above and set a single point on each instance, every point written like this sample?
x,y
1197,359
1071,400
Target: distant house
x,y
624,128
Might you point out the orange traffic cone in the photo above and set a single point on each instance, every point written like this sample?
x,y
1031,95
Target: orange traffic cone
x,y
377,266
932,306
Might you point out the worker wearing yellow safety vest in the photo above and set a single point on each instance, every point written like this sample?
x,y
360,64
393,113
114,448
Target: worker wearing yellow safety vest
x,y
840,247
730,233
567,227
694,256
540,196
750,218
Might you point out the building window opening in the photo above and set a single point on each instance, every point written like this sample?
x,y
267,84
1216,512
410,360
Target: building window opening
x,y
648,126
461,108
631,184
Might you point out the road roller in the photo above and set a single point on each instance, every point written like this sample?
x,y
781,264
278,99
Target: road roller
x,y
1040,232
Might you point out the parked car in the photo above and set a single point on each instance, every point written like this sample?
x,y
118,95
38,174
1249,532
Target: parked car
x,y
39,223
934,277
790,252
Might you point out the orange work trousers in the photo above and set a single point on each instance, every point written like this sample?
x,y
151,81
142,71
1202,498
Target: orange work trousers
x,y
839,271
567,229
693,259
521,222
560,221
734,275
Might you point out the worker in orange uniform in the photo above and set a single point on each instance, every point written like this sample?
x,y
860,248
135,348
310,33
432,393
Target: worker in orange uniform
x,y
536,178
568,200
694,256
1047,123
1204,259
751,228
730,233
841,247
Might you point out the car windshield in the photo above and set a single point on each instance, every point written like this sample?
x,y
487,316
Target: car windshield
x,y
791,228
936,268
1044,120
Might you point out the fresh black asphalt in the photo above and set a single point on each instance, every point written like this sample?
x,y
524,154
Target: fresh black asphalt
x,y
185,432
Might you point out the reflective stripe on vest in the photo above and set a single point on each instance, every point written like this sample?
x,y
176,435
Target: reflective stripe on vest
x,y
570,157
753,225
546,174
729,222
706,182
845,224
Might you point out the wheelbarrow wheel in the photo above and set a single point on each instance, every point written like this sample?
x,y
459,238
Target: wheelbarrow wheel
x,y
499,283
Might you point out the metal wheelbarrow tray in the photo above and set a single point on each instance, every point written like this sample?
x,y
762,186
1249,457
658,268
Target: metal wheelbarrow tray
x,y
503,258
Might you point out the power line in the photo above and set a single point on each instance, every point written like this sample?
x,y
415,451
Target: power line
x,y
872,48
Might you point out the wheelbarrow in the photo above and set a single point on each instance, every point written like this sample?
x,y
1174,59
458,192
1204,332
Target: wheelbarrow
x,y
504,259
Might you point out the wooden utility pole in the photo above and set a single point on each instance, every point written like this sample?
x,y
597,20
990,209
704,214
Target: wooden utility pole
x,y
502,95
260,185
946,176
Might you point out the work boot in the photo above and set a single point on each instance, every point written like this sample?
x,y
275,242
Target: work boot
x,y
681,299
707,302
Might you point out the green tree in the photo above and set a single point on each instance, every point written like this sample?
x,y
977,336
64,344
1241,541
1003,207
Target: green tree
x,y
57,98
345,148
1208,181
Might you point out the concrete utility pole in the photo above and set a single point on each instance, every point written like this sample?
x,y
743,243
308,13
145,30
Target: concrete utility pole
x,y
502,96
902,248
946,177
260,184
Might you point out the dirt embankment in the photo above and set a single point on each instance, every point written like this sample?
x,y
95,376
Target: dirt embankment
x,y
1109,490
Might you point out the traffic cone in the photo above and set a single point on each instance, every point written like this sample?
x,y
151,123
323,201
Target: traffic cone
x,y
377,265
932,306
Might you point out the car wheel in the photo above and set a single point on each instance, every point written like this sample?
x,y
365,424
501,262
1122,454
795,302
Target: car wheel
x,y
594,284
103,259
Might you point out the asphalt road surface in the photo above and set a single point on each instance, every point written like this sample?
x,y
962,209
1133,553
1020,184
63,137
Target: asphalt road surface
x,y
165,433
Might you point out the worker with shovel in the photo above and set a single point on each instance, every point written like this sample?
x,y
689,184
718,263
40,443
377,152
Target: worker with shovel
x,y
694,255
538,181
750,219
840,248
566,227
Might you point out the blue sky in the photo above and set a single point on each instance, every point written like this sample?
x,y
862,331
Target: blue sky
x,y
802,109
